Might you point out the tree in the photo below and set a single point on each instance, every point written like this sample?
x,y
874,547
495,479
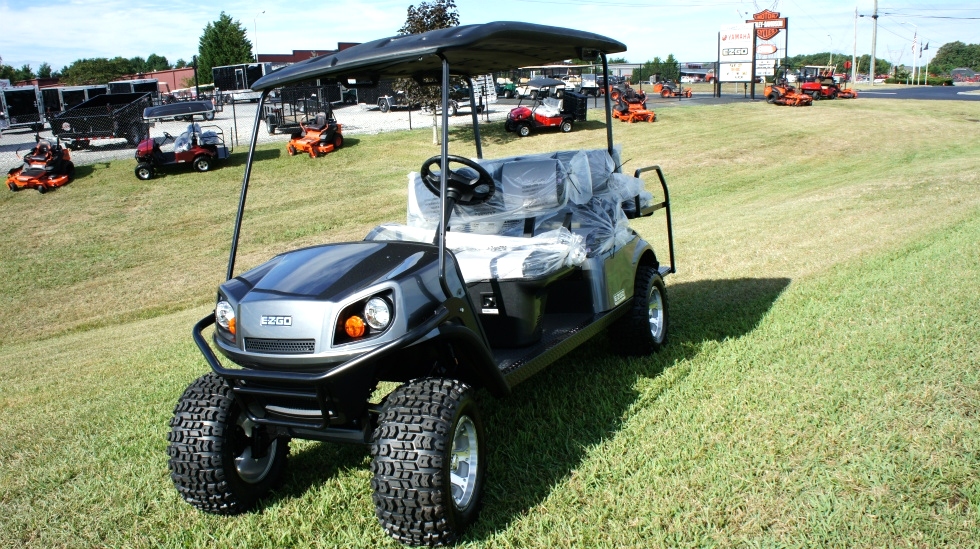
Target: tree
x,y
44,71
440,14
955,55
24,73
180,64
223,43
95,71
156,62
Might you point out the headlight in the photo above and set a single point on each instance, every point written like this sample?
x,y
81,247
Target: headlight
x,y
377,313
224,315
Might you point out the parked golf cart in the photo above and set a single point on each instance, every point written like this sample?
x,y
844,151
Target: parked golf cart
x,y
200,146
540,259
547,110
46,167
318,137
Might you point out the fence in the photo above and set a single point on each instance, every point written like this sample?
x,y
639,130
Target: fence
x,y
111,130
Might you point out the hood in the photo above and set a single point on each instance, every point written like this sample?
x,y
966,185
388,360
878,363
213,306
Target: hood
x,y
331,271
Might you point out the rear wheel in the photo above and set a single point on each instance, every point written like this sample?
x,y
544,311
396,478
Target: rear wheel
x,y
70,171
220,461
451,109
202,163
772,97
144,171
41,189
384,106
643,330
664,93
428,460
566,126
338,141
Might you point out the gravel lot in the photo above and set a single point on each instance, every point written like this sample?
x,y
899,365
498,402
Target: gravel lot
x,y
236,122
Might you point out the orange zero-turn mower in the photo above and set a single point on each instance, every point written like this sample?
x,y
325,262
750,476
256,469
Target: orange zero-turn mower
x,y
322,136
785,94
46,167
630,106
669,89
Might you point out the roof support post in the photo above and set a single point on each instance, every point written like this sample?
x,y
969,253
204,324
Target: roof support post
x,y
248,172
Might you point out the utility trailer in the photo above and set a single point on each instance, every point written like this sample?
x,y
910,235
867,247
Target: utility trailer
x,y
235,81
109,116
23,107
142,85
61,98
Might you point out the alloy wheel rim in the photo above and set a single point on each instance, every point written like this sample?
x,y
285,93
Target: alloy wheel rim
x,y
655,314
464,463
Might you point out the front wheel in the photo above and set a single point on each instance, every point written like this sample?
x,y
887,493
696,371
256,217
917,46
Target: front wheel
x,y
451,110
144,171
643,329
428,460
523,130
384,106
220,461
209,115
202,163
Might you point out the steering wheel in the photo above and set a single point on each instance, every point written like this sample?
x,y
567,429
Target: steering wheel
x,y
466,191
167,136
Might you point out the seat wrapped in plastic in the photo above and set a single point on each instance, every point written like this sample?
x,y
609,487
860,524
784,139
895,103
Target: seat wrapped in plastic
x,y
487,257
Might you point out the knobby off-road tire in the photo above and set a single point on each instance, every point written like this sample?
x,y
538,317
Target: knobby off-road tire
x,y
428,461
643,330
210,450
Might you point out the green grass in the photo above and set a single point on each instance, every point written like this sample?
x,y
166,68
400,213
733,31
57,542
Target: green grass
x,y
820,388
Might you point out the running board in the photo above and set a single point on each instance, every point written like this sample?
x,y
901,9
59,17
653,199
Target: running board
x,y
549,350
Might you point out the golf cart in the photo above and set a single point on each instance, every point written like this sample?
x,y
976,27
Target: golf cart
x,y
547,110
199,146
46,167
501,268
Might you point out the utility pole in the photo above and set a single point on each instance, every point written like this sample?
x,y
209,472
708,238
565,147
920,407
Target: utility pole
x,y
874,41
854,59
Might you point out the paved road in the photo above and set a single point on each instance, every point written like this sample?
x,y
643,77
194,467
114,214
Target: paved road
x,y
945,93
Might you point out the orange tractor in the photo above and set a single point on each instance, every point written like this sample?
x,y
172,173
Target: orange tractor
x,y
322,136
46,167
668,88
631,106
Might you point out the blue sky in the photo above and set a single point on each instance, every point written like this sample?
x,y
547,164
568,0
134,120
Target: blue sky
x,y
76,29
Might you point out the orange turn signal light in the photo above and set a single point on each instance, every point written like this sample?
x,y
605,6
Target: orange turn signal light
x,y
355,326
231,326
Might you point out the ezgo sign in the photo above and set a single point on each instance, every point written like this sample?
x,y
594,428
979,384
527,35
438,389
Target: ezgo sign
x,y
735,52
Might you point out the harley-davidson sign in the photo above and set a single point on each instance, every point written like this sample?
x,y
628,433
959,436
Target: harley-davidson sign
x,y
767,24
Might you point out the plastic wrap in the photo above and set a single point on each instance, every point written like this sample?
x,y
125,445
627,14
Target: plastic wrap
x,y
580,189
486,257
527,187
185,140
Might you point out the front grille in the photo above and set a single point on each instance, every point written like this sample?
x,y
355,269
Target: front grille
x,y
279,346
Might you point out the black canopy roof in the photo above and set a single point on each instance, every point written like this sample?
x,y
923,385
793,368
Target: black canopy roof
x,y
470,50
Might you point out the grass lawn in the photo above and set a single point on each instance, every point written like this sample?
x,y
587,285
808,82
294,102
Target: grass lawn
x,y
821,386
